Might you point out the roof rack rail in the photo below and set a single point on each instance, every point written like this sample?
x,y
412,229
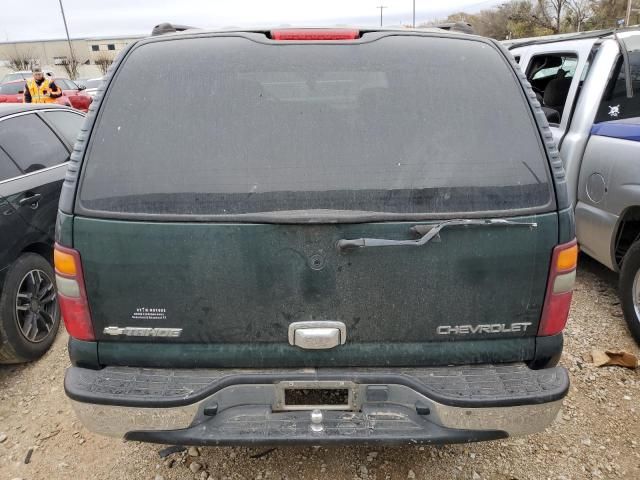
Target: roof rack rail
x,y
166,27
511,44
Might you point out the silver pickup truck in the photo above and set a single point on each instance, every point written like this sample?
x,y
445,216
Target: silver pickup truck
x,y
589,87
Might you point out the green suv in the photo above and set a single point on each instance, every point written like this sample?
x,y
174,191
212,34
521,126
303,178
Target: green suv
x,y
315,236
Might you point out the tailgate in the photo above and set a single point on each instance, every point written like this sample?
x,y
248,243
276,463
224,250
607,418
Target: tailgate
x,y
240,286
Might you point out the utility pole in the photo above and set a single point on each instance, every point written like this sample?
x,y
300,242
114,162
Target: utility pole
x,y
381,7
414,14
630,10
66,29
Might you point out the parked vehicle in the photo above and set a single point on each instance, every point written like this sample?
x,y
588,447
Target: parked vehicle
x,y
12,92
323,240
74,94
590,86
35,142
20,75
91,86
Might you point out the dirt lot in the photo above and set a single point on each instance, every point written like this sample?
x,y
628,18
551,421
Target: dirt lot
x,y
597,434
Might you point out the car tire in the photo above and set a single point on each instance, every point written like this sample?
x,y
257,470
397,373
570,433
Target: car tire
x,y
629,287
29,312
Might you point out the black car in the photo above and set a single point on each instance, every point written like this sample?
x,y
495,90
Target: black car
x,y
35,144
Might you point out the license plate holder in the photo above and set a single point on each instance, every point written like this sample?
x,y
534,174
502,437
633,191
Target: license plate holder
x,y
291,395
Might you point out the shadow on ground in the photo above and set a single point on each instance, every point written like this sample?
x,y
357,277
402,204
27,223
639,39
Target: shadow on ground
x,y
588,264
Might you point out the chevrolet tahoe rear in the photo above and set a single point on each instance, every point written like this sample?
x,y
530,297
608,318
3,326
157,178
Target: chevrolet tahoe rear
x,y
334,236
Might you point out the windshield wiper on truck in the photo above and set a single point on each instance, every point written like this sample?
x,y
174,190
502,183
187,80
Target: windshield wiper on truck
x,y
429,232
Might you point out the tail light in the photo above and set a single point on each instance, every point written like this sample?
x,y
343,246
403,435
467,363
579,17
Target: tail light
x,y
311,34
562,276
72,295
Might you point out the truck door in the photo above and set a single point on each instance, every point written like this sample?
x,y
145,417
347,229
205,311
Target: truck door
x,y
609,180
556,72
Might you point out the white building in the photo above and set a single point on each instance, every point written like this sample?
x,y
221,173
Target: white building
x,y
52,54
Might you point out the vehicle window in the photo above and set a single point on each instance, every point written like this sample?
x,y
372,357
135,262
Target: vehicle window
x,y
11,88
67,123
615,105
567,65
10,77
93,83
550,76
64,84
8,169
315,127
31,143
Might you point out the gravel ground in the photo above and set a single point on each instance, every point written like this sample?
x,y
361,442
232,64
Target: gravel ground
x,y
597,434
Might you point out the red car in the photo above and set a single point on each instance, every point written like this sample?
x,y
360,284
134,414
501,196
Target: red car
x,y
72,96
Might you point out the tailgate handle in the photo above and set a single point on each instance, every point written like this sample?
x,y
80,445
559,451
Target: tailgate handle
x,y
317,335
428,232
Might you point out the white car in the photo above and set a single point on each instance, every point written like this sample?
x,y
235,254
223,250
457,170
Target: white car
x,y
21,75
91,86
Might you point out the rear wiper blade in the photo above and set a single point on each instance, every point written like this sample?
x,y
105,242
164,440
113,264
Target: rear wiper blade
x,y
429,232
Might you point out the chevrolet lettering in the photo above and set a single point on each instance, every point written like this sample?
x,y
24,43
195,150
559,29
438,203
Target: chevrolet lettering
x,y
489,328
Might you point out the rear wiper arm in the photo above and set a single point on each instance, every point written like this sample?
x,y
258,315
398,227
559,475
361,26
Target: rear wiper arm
x,y
429,232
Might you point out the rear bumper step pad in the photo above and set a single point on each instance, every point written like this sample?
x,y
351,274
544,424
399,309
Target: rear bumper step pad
x,y
260,426
474,386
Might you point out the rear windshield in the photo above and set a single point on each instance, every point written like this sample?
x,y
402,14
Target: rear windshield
x,y
404,125
11,88
10,77
93,83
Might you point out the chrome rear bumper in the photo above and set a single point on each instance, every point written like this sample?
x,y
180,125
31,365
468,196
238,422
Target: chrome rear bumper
x,y
443,405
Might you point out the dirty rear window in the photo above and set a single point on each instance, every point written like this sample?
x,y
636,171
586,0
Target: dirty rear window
x,y
227,126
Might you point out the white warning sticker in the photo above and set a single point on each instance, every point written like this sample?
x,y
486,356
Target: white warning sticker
x,y
149,313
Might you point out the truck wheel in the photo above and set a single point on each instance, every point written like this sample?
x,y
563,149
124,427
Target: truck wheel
x,y
630,289
29,314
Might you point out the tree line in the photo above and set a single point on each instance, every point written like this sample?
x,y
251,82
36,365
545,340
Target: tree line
x,y
23,61
531,18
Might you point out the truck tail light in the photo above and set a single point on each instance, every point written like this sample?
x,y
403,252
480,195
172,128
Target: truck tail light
x,y
562,276
311,34
72,295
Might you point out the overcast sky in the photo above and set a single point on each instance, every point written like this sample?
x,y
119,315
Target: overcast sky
x,y
41,19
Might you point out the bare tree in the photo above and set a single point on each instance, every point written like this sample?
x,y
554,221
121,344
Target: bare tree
x,y
21,61
71,67
579,11
103,62
531,18
607,12
550,13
